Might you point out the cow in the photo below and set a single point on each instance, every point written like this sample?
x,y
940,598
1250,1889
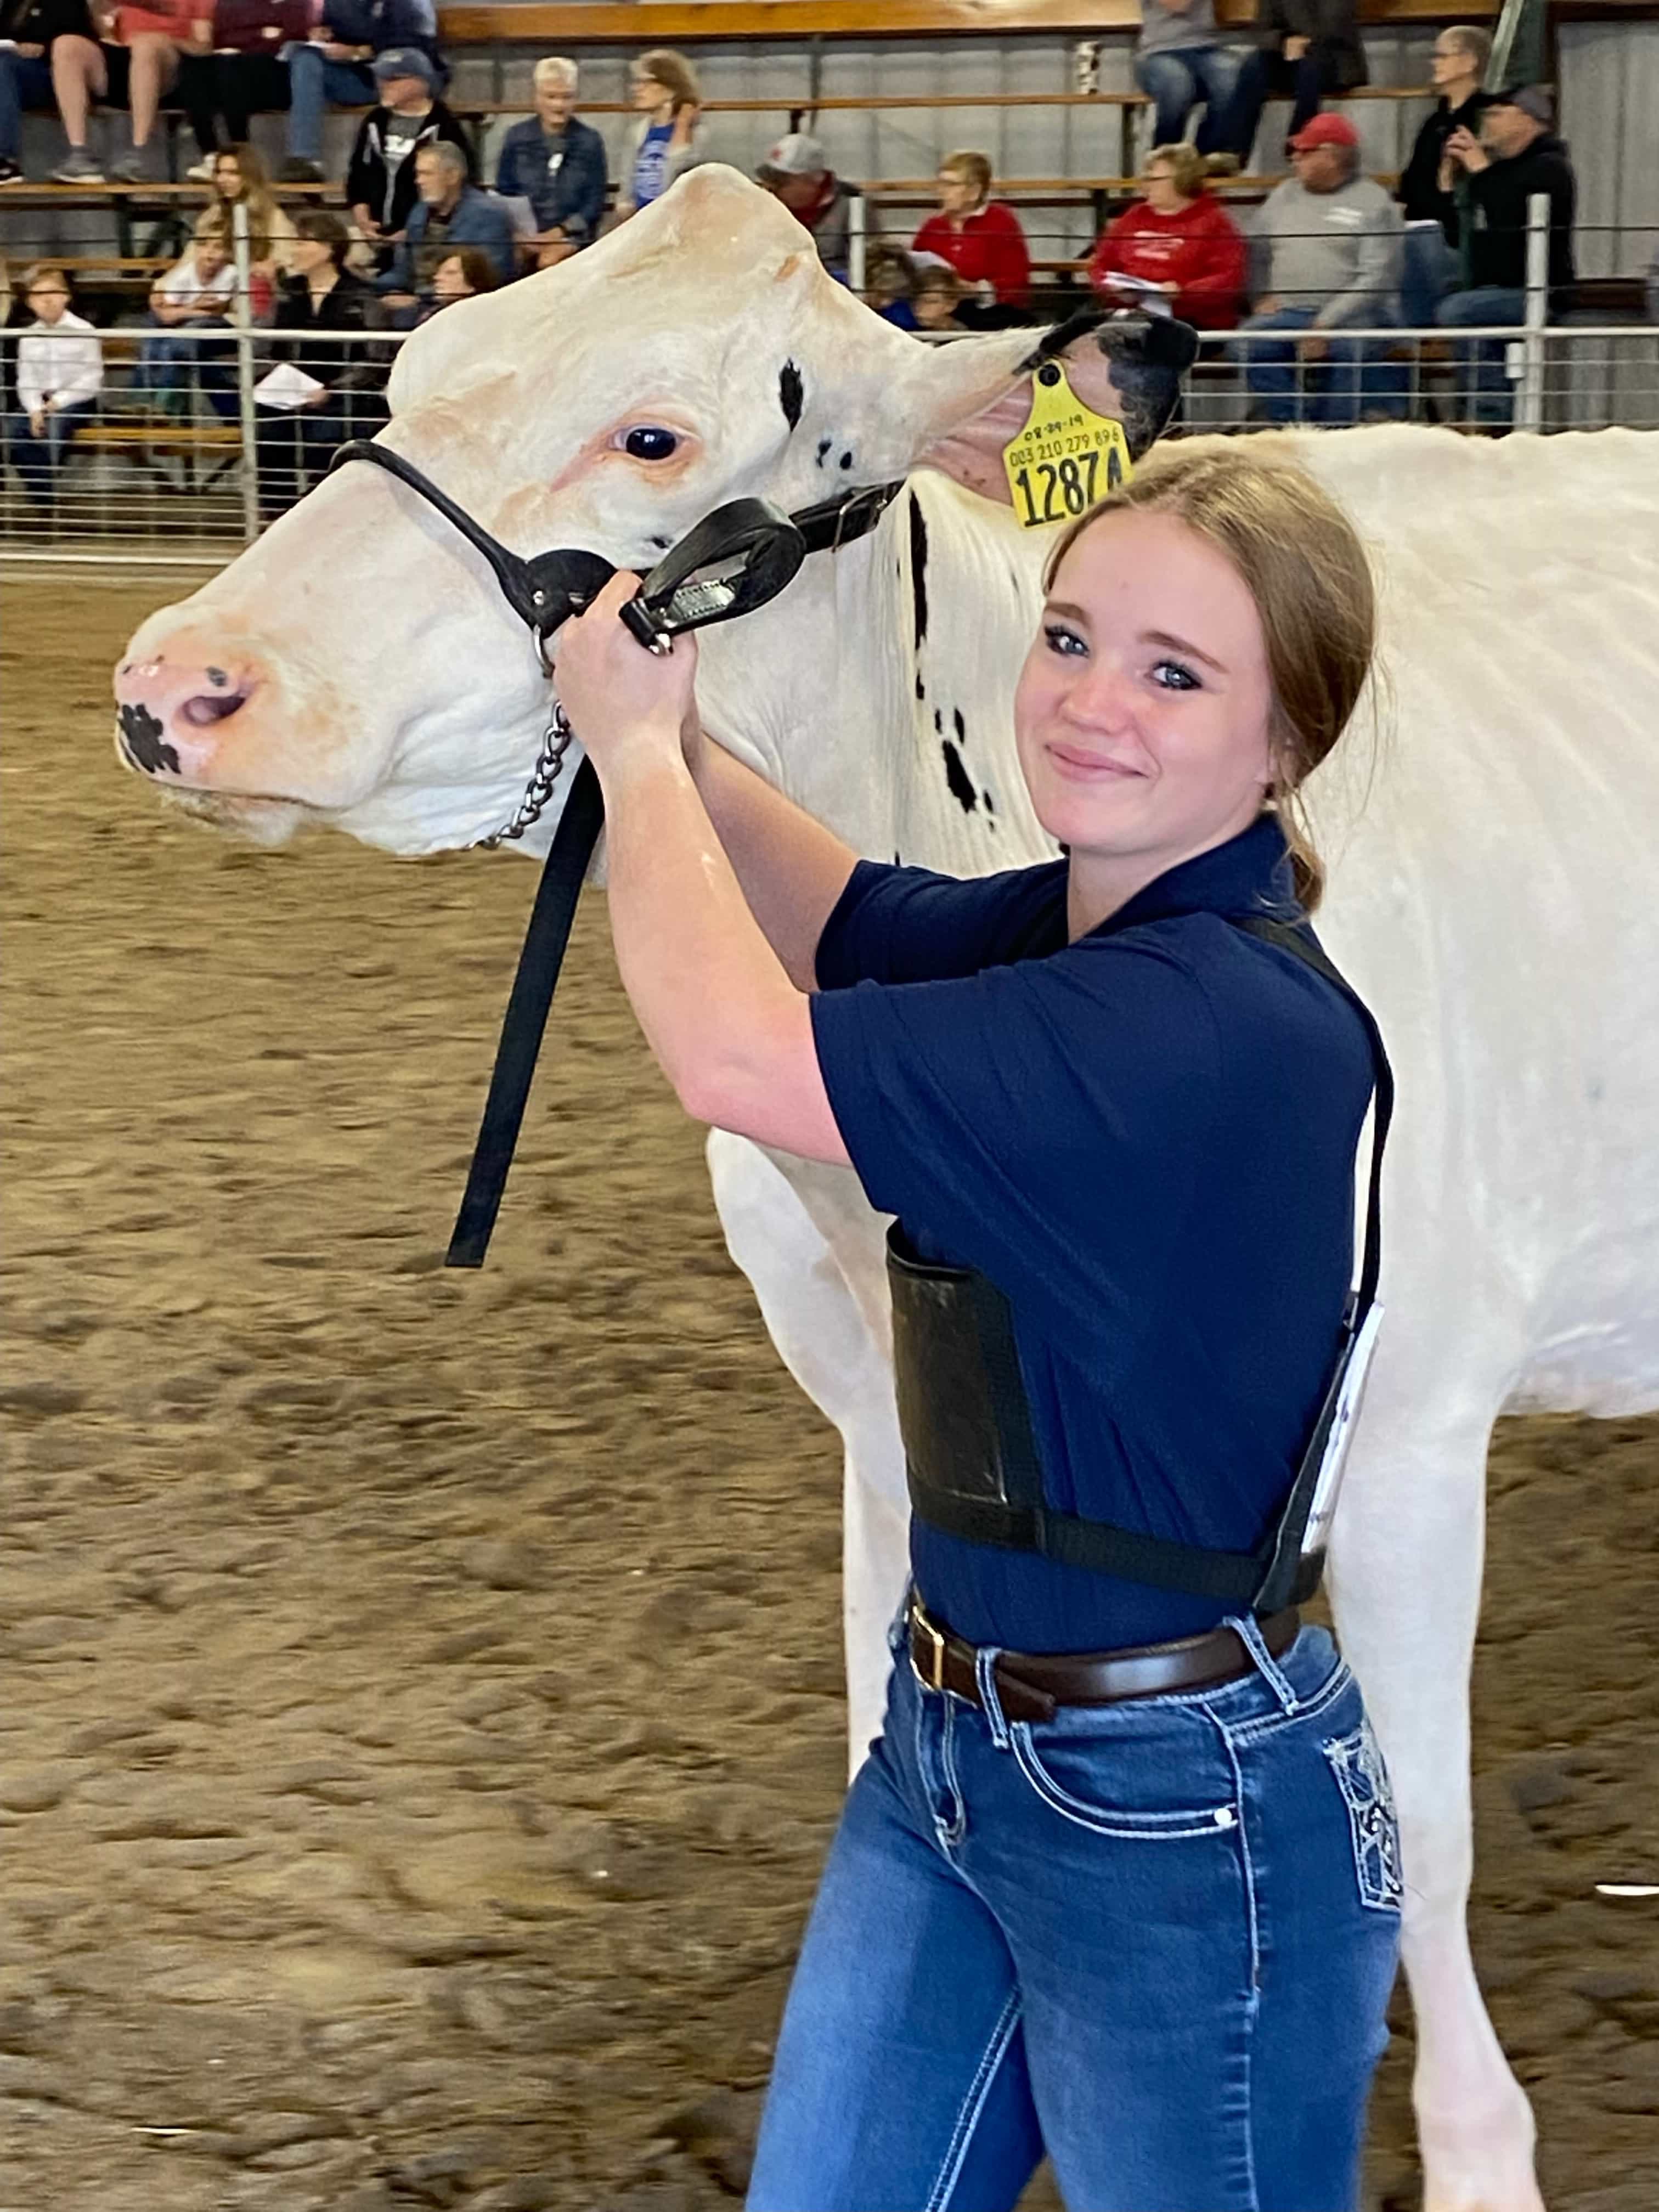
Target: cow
x,y
1490,827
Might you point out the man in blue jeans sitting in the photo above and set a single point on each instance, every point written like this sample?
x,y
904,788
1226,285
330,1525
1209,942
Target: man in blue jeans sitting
x,y
1334,265
1178,62
1515,155
333,69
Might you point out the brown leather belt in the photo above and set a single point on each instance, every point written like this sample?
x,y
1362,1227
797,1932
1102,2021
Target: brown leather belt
x,y
1030,1686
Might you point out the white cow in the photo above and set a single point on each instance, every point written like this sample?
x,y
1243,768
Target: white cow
x,y
1492,864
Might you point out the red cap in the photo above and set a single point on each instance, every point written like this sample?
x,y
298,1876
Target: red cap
x,y
1324,129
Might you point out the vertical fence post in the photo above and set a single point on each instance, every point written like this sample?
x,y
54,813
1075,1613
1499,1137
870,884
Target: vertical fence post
x,y
244,323
1530,394
855,246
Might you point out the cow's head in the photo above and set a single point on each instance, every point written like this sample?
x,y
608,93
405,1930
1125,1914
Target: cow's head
x,y
359,664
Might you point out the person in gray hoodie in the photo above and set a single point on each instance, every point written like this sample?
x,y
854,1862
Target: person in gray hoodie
x,y
1179,62
1334,248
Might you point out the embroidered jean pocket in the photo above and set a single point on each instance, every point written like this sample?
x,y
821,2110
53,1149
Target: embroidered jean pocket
x,y
1357,1762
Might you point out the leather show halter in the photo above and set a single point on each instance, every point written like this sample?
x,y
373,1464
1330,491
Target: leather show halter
x,y
733,561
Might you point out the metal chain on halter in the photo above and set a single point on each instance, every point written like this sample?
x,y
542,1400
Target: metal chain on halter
x,y
550,767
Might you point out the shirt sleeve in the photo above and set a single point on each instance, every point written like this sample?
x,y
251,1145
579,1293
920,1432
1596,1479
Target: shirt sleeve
x,y
1044,1122
910,926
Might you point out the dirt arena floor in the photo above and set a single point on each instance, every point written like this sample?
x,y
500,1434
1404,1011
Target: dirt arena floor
x,y
420,1726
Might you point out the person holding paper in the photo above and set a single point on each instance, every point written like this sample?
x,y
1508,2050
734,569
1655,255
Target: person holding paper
x,y
342,395
1178,240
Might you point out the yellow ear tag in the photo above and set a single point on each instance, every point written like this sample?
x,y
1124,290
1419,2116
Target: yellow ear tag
x,y
1065,458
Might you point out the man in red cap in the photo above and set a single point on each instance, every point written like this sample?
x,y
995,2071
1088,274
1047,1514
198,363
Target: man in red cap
x,y
1333,255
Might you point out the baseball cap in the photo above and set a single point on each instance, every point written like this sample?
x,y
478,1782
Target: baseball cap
x,y
404,61
1531,99
1324,129
798,154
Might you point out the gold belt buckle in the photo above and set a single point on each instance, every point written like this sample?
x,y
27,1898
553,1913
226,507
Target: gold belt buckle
x,y
934,1678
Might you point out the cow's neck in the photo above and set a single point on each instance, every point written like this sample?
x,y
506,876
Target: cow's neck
x,y
878,692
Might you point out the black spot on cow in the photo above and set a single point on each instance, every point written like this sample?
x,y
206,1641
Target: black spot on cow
x,y
962,788
961,727
847,460
790,393
990,803
662,544
922,688
824,444
918,566
217,676
938,723
897,862
142,743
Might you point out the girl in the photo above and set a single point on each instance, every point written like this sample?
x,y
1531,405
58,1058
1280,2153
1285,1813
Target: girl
x,y
1119,1881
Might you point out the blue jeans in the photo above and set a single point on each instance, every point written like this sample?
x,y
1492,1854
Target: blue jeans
x,y
172,357
1176,81
1262,76
1354,375
1428,272
24,82
314,83
1155,1939
37,460
1485,393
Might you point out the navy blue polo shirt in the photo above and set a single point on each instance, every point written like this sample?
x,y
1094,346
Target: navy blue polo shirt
x,y
1146,1140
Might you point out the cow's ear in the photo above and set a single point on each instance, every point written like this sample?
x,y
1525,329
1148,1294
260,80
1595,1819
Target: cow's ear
x,y
963,401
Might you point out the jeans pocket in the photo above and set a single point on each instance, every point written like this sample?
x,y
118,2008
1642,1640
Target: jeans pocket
x,y
1356,1760
1101,1793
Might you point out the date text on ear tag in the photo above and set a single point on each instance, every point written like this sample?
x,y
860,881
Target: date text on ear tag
x,y
1065,458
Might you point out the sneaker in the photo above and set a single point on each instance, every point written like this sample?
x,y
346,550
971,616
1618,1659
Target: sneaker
x,y
297,170
11,173
132,168
201,173
79,168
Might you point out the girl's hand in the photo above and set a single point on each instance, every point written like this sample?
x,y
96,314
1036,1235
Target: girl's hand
x,y
621,699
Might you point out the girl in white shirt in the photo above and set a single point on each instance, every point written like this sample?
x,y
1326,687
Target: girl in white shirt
x,y
60,373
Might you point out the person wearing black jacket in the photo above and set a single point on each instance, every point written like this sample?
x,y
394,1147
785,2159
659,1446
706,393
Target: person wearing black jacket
x,y
28,27
1427,199
1305,49
381,178
1517,156
297,444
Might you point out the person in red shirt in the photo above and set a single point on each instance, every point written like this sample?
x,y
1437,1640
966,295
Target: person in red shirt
x,y
980,237
1179,239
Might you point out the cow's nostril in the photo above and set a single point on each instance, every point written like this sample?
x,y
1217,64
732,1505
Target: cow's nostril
x,y
202,709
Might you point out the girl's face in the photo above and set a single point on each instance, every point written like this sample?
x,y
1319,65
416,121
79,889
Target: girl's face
x,y
228,177
1143,711
449,280
49,301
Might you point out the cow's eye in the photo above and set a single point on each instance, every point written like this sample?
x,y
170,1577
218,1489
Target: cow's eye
x,y
648,441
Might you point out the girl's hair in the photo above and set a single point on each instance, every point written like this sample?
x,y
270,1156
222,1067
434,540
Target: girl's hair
x,y
257,198
476,266
673,72
973,168
1189,170
1306,568
211,224
324,227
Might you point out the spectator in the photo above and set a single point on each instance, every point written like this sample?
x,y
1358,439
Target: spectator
x,y
28,29
60,373
1515,155
238,175
890,285
450,212
1178,239
192,296
558,164
1306,49
795,171
321,297
1426,194
381,178
980,237
667,95
1334,248
334,69
938,294
459,276
134,61
242,74
1179,61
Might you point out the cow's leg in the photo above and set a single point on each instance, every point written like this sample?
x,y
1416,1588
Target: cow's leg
x,y
827,1345
1406,1593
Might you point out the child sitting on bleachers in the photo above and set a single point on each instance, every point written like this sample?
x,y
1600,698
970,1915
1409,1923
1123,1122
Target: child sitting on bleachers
x,y
194,295
60,373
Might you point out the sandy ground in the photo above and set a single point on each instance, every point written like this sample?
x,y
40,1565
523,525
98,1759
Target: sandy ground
x,y
421,1725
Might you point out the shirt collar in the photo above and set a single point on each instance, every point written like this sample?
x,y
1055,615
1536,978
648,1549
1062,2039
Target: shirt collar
x,y
1250,874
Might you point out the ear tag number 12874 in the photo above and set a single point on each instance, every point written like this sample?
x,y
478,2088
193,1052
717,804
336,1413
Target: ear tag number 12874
x,y
1065,458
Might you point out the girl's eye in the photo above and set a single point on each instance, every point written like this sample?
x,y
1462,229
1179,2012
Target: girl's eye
x,y
649,442
1062,640
1176,676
